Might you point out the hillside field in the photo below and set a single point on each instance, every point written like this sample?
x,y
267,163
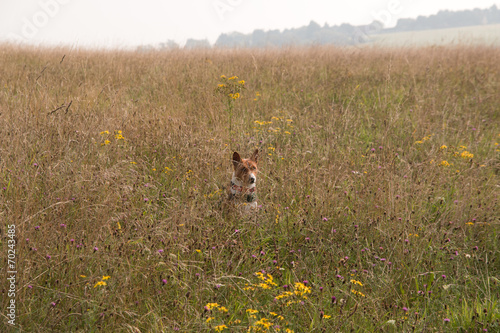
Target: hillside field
x,y
378,190
471,35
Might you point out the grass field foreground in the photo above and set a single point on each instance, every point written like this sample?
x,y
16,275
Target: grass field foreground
x,y
378,188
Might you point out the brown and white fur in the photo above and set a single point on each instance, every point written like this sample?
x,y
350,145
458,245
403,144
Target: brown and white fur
x,y
243,182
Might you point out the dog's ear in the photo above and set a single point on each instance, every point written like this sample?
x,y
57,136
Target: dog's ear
x,y
255,156
236,159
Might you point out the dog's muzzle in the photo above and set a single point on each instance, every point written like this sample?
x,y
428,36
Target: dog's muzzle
x,y
252,179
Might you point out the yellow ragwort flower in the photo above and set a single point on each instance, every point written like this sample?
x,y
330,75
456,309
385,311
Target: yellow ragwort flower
x,y
100,283
210,306
356,282
220,328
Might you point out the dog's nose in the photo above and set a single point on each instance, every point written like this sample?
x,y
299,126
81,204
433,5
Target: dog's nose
x,y
252,180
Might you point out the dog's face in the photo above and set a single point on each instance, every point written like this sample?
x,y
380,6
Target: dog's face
x,y
246,169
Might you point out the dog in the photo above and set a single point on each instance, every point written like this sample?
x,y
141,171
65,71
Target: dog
x,y
242,190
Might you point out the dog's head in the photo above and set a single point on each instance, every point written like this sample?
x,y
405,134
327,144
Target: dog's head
x,y
246,169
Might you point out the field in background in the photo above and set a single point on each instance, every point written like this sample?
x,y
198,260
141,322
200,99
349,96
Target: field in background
x,y
483,35
378,185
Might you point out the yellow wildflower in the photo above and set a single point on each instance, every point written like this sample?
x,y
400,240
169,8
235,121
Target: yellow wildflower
x,y
444,147
356,282
209,319
100,283
445,163
105,277
210,306
466,154
220,328
264,322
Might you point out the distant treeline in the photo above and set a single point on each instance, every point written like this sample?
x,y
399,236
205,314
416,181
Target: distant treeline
x,y
344,34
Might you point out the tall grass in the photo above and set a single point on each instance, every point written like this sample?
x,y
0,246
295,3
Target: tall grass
x,y
378,185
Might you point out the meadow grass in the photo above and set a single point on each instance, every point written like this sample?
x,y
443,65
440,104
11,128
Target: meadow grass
x,y
378,188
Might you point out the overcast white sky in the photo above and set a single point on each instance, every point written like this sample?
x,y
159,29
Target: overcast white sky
x,y
128,23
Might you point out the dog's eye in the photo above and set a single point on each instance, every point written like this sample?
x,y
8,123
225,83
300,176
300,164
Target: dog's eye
x,y
252,168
